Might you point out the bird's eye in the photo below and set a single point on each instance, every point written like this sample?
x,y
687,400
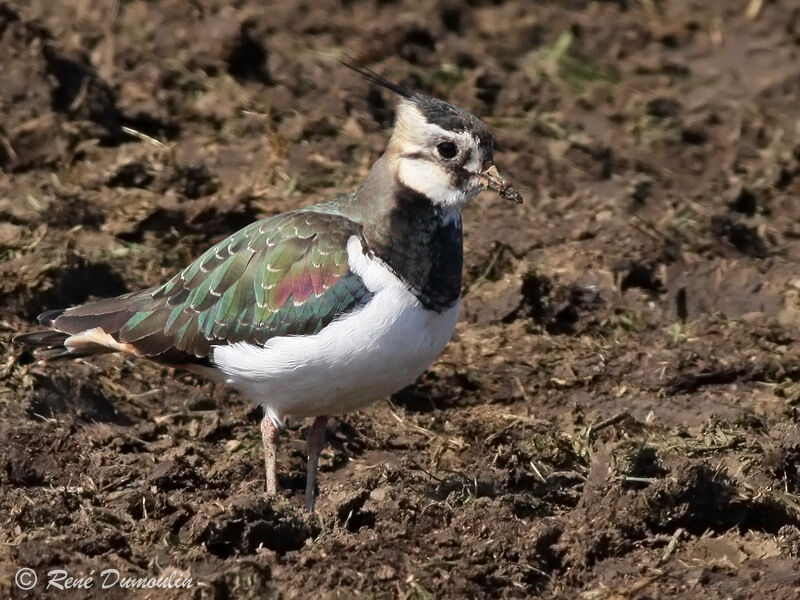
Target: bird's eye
x,y
447,149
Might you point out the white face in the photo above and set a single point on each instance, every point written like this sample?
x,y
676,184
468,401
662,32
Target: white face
x,y
443,165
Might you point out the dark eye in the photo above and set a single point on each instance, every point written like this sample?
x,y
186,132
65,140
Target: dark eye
x,y
447,149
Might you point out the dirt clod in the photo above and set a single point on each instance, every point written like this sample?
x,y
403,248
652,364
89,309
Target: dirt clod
x,y
617,415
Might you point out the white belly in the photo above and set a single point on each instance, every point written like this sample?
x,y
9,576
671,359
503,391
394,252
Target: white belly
x,y
352,362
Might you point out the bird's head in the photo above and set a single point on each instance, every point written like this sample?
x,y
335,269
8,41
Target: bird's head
x,y
440,150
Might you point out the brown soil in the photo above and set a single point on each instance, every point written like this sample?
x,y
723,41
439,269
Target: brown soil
x,y
617,417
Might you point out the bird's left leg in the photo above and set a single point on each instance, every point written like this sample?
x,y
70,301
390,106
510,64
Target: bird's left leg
x,y
315,441
269,437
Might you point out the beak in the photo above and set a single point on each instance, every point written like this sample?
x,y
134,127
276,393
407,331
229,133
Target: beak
x,y
494,181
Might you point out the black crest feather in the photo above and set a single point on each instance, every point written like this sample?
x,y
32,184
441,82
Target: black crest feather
x,y
373,77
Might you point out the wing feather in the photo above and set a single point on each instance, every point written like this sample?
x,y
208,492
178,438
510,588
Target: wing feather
x,y
287,275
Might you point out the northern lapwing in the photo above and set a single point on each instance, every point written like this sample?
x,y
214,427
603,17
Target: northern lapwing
x,y
321,310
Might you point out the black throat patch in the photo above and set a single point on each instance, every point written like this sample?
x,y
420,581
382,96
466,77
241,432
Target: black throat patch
x,y
424,251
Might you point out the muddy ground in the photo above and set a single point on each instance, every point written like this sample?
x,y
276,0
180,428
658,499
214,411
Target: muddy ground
x,y
617,416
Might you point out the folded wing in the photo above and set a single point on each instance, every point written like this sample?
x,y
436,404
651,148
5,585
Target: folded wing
x,y
288,275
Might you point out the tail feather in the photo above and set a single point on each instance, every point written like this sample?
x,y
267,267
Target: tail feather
x,y
52,345
84,330
48,317
41,339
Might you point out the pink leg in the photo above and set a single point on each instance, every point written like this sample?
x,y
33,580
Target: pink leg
x,y
269,437
315,441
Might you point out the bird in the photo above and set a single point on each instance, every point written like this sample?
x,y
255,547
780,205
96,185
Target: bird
x,y
322,310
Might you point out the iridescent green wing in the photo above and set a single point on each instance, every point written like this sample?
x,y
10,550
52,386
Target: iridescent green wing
x,y
287,275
